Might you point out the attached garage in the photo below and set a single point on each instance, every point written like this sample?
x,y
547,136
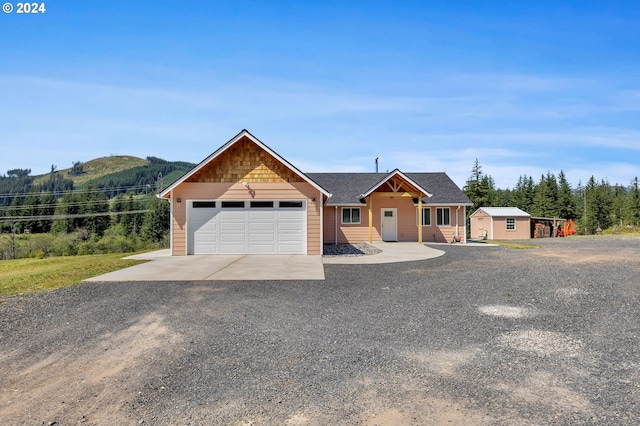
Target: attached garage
x,y
246,227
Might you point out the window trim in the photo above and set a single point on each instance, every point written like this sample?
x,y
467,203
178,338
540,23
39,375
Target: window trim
x,y
507,224
438,216
351,222
424,216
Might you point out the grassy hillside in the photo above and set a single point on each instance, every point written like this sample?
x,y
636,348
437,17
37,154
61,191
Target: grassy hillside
x,y
98,168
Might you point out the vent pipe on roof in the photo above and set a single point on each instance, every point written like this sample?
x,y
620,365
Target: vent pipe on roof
x,y
376,164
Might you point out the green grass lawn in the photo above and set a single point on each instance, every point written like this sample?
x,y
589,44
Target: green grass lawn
x,y
23,276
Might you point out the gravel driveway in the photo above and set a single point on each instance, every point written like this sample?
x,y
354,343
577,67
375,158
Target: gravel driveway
x,y
481,335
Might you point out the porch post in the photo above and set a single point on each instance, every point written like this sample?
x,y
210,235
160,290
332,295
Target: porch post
x,y
420,218
370,203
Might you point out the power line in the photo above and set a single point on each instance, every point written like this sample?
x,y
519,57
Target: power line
x,y
72,204
148,187
13,219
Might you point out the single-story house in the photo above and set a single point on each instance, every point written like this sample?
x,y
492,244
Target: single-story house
x,y
500,223
245,198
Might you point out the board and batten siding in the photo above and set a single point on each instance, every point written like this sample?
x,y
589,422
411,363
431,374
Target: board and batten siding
x,y
237,191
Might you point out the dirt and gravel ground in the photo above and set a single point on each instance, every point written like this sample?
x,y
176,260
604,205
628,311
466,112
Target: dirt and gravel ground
x,y
481,335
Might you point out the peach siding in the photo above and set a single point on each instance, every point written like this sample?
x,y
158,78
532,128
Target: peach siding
x,y
496,227
522,231
480,221
237,191
407,223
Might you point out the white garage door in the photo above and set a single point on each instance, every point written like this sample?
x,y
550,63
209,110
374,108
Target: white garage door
x,y
240,227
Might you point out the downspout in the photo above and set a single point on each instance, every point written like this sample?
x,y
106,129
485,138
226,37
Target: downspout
x,y
464,214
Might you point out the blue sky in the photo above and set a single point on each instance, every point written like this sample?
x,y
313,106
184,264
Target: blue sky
x,y
526,87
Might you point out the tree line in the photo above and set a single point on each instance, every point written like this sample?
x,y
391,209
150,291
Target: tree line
x,y
594,205
82,222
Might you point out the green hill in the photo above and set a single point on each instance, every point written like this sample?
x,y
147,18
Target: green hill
x,y
115,174
96,169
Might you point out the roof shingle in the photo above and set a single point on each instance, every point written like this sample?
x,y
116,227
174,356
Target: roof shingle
x,y
347,187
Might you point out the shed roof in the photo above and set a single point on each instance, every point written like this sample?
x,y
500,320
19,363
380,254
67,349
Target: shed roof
x,y
503,211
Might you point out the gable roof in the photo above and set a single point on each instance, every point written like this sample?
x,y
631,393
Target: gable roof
x,y
223,148
386,178
349,188
503,211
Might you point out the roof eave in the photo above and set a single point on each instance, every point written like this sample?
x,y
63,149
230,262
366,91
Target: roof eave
x,y
389,176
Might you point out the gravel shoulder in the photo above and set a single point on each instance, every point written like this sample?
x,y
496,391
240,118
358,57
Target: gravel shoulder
x,y
481,335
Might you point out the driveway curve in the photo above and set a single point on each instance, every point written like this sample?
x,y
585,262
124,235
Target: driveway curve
x,y
476,336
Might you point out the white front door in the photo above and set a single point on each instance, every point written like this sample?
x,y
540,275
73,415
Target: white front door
x,y
389,224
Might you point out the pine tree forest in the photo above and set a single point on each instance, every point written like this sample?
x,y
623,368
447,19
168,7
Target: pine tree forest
x,y
594,206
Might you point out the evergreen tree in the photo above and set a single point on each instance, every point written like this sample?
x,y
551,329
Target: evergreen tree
x,y
15,211
156,220
618,205
598,206
566,204
523,194
545,196
632,216
95,206
67,205
480,188
46,208
30,209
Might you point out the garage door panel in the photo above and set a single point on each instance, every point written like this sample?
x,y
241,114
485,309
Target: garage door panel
x,y
291,249
227,227
233,215
262,227
262,215
259,228
262,238
290,214
233,249
262,249
232,238
288,238
290,226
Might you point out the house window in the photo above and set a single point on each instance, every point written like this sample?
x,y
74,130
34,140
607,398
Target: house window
x,y
443,216
426,216
511,224
350,215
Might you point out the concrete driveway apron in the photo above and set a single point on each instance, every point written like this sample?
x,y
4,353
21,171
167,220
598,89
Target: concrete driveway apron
x,y
217,267
164,267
